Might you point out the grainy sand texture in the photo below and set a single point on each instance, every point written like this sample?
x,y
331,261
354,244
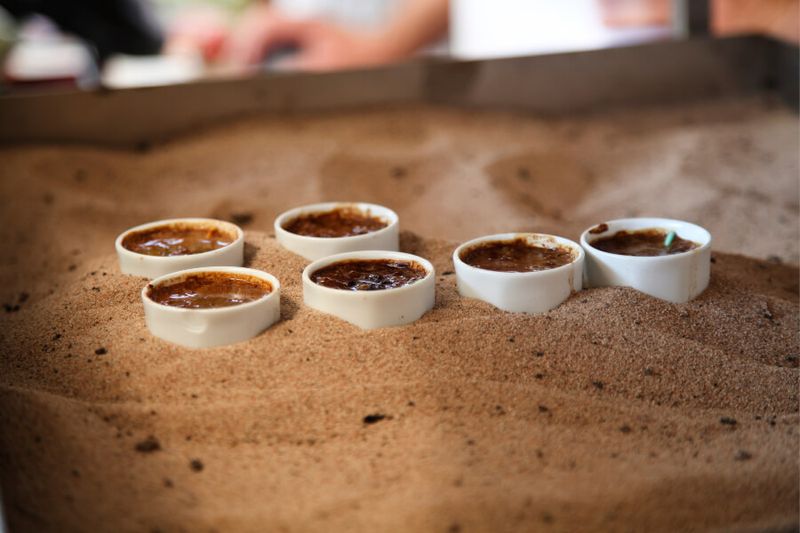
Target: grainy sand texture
x,y
615,411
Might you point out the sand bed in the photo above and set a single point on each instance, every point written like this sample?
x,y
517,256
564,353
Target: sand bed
x,y
615,411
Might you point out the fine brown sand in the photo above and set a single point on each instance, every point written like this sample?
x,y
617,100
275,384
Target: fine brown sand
x,y
615,411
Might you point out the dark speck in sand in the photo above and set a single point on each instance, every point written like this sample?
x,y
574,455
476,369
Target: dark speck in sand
x,y
743,455
373,418
398,172
148,445
242,219
143,146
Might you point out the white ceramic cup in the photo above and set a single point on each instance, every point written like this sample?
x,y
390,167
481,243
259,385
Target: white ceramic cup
x,y
204,328
151,266
521,292
676,278
372,309
313,248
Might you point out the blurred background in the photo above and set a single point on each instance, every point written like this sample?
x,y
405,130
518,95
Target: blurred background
x,y
56,44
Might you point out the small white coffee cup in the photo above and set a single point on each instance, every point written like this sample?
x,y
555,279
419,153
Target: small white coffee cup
x,y
152,266
521,292
372,309
313,248
677,278
204,328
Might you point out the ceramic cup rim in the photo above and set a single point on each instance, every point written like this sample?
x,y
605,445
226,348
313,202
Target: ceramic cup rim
x,y
655,221
369,255
228,226
577,256
266,276
388,214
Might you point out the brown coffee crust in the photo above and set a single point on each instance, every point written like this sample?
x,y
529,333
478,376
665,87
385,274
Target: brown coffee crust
x,y
516,255
644,243
339,222
209,290
177,239
369,274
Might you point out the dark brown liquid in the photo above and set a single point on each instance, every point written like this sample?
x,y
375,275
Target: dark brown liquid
x,y
369,274
646,242
209,290
516,255
342,222
176,239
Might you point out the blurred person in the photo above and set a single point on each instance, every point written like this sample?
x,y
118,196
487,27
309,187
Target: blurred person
x,y
200,29
316,34
777,18
337,34
636,12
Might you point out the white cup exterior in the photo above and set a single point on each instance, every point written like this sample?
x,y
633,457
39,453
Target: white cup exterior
x,y
521,292
150,266
205,328
372,309
676,278
313,248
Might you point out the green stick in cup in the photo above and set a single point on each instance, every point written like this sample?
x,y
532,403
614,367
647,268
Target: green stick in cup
x,y
669,238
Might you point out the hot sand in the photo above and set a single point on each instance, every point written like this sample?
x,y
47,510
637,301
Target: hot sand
x,y
615,411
